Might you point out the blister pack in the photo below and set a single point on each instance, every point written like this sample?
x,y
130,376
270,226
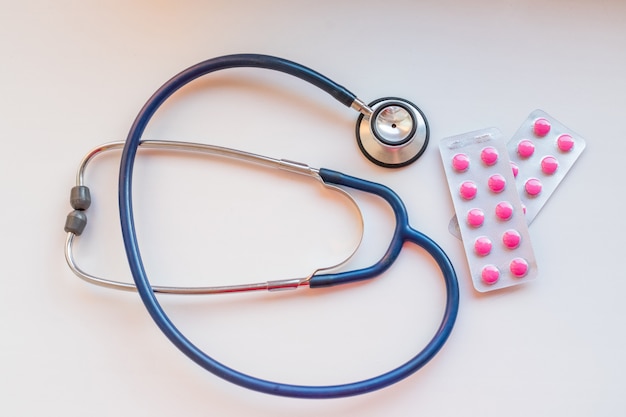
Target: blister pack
x,y
542,152
493,227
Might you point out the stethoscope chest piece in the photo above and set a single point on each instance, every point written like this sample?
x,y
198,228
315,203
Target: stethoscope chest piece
x,y
394,135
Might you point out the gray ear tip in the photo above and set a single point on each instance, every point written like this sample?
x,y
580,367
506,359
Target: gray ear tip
x,y
76,222
80,197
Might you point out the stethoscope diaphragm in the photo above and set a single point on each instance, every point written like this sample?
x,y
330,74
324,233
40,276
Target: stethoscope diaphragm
x,y
394,135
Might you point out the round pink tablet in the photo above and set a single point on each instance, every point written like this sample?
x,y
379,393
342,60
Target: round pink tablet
x,y
475,217
504,210
525,148
519,267
549,164
515,169
541,127
468,190
489,155
490,274
533,186
482,245
565,143
460,162
511,239
496,183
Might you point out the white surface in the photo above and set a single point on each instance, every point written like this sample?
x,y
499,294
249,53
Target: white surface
x,y
75,74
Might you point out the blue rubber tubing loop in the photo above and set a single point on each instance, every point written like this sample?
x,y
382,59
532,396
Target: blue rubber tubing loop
x,y
403,233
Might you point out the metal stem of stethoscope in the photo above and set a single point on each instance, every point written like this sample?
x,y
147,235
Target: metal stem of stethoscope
x,y
76,220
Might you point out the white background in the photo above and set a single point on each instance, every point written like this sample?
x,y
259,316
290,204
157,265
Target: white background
x,y
74,74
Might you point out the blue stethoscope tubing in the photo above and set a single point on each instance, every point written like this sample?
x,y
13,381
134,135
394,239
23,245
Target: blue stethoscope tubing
x,y
403,233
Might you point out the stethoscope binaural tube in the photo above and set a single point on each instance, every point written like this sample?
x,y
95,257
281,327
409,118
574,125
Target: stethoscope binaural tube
x,y
403,233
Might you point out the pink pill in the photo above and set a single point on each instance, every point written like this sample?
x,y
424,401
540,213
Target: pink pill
x,y
533,187
482,245
525,148
489,155
496,183
515,169
541,127
565,143
518,267
490,274
460,162
504,210
511,239
549,164
468,190
475,217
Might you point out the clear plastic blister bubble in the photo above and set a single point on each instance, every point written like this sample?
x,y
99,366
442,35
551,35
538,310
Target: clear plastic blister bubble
x,y
493,227
542,152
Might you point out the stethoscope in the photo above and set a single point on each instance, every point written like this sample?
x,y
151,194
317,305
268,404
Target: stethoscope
x,y
391,132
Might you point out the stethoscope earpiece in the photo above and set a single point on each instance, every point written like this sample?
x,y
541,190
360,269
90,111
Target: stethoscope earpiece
x,y
394,134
